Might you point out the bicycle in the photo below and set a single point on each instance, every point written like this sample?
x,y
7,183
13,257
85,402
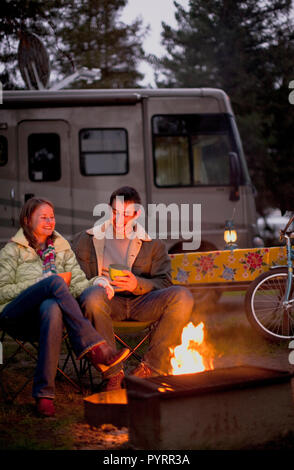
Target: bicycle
x,y
269,302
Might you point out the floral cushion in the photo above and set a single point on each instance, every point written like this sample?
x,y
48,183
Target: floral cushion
x,y
240,265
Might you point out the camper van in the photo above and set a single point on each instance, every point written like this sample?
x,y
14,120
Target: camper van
x,y
177,147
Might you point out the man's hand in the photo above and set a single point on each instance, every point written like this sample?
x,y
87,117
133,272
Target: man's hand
x,y
127,282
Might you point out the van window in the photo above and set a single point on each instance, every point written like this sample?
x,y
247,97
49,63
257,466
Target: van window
x,y
3,150
44,157
103,151
192,150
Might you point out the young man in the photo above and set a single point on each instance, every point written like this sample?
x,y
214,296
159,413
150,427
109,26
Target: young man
x,y
144,293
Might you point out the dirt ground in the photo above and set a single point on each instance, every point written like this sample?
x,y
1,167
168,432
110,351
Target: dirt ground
x,y
230,341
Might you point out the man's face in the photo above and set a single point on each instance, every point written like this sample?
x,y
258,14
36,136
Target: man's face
x,y
122,214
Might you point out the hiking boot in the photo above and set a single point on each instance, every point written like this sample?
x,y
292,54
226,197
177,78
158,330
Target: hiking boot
x,y
114,382
143,371
103,356
45,407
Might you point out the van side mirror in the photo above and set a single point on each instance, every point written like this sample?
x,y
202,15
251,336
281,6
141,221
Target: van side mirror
x,y
235,176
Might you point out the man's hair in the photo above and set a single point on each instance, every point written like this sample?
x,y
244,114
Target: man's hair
x,y
128,193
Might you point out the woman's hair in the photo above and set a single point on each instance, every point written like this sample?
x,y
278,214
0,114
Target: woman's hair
x,y
25,217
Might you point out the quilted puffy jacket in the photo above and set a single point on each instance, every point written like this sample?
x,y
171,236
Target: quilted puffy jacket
x,y
21,267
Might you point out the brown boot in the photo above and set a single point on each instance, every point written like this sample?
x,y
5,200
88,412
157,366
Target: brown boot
x,y
103,356
114,382
144,371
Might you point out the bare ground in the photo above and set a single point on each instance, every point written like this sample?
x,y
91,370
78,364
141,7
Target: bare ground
x,y
230,340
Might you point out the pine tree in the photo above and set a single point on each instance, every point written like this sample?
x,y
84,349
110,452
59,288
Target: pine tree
x,y
246,48
94,37
76,33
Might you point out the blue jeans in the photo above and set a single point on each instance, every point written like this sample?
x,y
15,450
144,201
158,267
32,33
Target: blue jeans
x,y
171,307
39,313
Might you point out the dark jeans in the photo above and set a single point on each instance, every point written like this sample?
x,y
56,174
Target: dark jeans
x,y
171,307
40,312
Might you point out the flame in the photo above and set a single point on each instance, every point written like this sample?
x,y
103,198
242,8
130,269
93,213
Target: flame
x,y
186,358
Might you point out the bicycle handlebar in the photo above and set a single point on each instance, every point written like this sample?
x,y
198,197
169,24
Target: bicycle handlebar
x,y
284,232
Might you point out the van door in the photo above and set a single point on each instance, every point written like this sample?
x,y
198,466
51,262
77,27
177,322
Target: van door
x,y
44,167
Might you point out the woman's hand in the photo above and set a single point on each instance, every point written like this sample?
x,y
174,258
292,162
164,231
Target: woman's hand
x,y
103,282
109,291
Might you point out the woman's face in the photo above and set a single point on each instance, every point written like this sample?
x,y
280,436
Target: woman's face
x,y
42,222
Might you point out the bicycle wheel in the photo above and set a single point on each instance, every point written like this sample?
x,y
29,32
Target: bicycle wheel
x,y
264,305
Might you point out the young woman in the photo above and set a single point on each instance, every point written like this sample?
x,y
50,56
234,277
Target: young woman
x,y
36,303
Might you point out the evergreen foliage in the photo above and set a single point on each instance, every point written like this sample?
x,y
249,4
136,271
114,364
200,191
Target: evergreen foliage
x,y
76,33
92,34
246,48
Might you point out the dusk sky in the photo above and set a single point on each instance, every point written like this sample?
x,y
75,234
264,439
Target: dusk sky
x,y
153,13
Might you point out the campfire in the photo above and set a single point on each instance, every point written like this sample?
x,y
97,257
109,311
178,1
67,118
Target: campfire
x,y
191,355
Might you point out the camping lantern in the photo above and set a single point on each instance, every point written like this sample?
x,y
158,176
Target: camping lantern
x,y
230,235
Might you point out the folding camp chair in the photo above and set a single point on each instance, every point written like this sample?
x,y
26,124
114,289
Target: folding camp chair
x,y
121,328
30,347
81,367
130,328
133,328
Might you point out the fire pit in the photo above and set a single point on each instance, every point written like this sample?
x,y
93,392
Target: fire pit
x,y
107,408
227,408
